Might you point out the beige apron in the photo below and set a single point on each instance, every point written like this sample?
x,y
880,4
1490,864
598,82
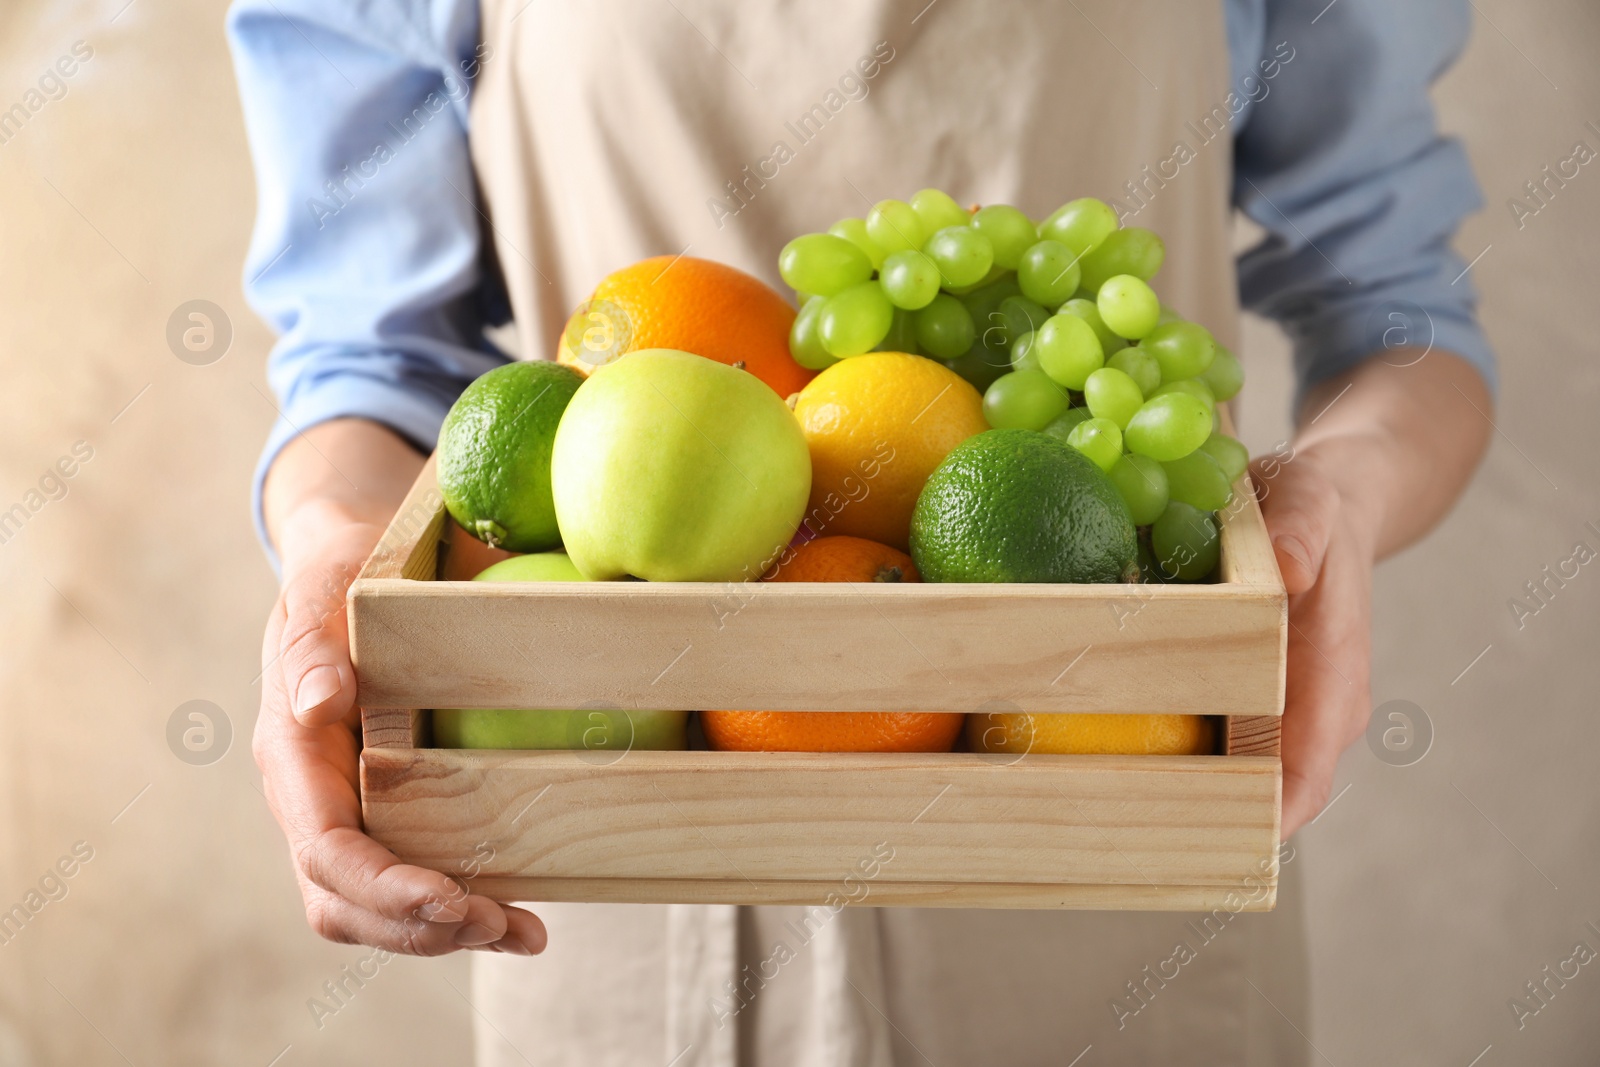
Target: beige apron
x,y
610,130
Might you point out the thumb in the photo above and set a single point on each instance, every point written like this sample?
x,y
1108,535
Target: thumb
x,y
1300,506
314,646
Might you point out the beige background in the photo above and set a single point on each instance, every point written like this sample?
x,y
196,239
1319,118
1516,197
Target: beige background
x,y
1436,890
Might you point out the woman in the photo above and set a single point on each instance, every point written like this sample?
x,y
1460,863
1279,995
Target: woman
x,y
435,170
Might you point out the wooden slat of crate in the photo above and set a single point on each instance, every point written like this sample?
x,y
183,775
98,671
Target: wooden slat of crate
x,y
1205,650
1195,649
1043,831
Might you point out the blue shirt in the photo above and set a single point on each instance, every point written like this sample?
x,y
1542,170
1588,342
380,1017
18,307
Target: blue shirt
x,y
1342,165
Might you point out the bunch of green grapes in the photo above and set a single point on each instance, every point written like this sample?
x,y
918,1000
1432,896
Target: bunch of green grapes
x,y
1057,325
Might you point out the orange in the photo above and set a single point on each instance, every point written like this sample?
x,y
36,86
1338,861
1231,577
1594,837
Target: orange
x,y
693,305
1133,735
844,559
836,559
878,425
831,731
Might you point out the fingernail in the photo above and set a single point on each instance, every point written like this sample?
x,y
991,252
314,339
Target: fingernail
x,y
316,686
1291,547
438,911
513,946
475,934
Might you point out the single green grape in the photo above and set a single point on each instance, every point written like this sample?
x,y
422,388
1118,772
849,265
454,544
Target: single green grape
x,y
1086,310
1068,350
1194,387
1099,439
1142,484
822,264
962,254
1061,426
1134,251
895,227
1080,224
1048,273
1168,427
1184,349
944,328
1112,395
1128,306
910,279
1225,376
855,320
855,231
1010,232
1022,354
938,209
1139,365
1199,481
1186,543
1023,400
1017,315
1230,454
902,335
804,344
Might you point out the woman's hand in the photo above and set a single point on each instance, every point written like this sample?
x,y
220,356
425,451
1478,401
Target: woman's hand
x,y
327,498
1326,555
1381,456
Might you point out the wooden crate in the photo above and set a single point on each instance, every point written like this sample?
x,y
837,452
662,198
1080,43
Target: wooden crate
x,y
960,829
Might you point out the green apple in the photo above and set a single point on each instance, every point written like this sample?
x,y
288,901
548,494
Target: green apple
x,y
675,468
534,567
595,729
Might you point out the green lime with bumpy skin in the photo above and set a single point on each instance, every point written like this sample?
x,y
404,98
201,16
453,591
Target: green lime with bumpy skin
x,y
1021,506
494,454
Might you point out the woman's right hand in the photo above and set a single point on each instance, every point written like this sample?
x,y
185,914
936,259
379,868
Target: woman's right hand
x,y
307,738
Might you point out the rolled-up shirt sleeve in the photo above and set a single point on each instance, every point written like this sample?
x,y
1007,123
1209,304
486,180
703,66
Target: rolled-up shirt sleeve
x,y
367,254
1343,164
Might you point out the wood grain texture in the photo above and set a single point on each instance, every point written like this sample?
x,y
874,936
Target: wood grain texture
x,y
394,728
1261,895
1205,650
1253,735
1247,556
651,825
1198,649
409,547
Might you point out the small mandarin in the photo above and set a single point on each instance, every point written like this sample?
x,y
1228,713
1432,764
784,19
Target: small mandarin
x,y
836,559
844,559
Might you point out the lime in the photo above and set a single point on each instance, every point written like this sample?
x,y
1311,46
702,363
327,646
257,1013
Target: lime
x,y
494,454
1021,506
